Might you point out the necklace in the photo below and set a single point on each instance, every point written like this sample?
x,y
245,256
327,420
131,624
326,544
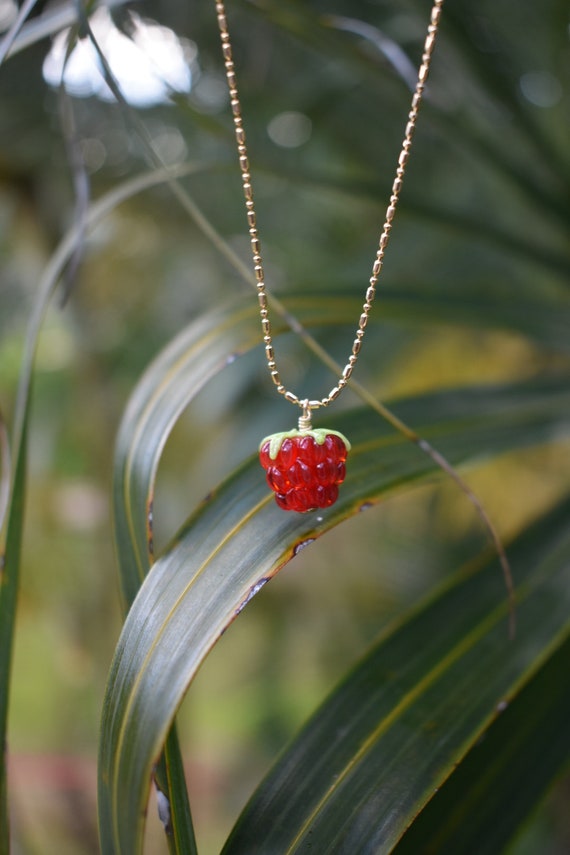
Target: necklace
x,y
304,467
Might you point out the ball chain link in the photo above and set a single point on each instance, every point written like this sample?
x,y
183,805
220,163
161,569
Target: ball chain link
x,y
306,404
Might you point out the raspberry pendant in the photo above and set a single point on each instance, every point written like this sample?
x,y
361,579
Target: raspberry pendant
x,y
304,467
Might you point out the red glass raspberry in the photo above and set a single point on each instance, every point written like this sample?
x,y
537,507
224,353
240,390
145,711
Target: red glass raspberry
x,y
304,467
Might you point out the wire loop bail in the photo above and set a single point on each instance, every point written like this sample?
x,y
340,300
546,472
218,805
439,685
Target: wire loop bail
x,y
305,419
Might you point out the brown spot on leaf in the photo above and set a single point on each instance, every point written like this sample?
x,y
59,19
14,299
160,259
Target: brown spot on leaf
x,y
255,589
302,544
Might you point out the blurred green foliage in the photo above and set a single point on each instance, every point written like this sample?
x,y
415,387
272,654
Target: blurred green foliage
x,y
482,222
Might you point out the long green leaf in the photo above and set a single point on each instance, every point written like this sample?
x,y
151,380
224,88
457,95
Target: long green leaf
x,y
5,472
10,558
505,774
238,539
380,748
9,585
174,378
10,37
50,22
171,788
204,348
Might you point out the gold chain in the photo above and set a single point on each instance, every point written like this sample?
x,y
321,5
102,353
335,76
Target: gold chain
x,y
308,405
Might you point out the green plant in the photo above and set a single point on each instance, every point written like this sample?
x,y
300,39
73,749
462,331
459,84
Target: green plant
x,y
446,732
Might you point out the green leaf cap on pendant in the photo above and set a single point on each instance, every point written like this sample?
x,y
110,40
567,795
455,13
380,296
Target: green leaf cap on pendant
x,y
276,440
